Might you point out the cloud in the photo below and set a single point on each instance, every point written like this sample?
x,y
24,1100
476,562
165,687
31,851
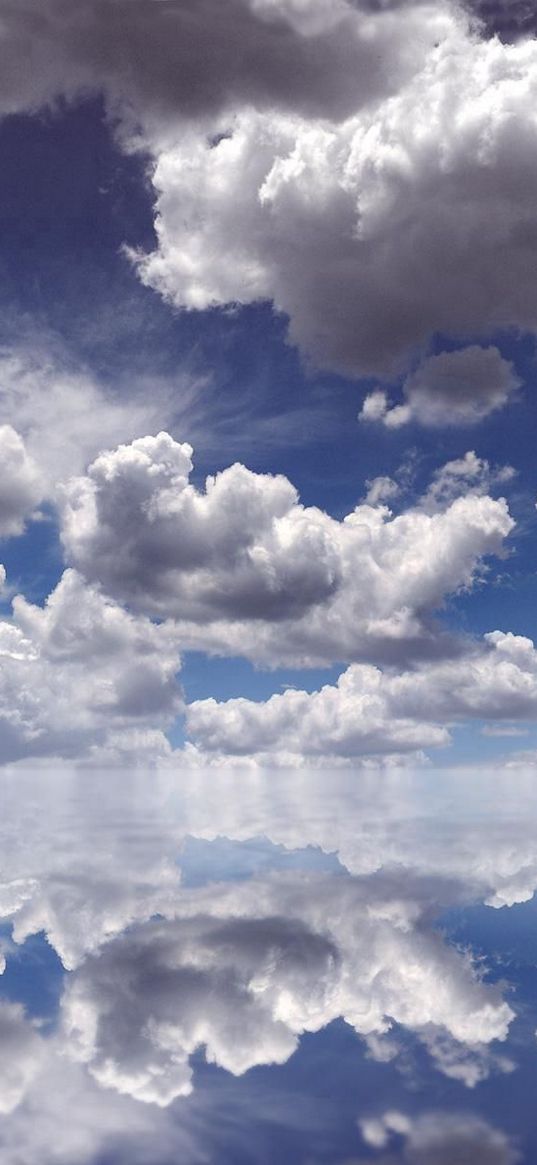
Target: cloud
x,y
243,970
81,672
21,485
370,712
64,416
245,569
366,167
163,64
21,1055
454,388
411,217
463,476
353,718
440,1138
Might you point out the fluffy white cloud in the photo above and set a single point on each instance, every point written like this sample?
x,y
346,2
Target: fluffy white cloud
x,y
242,971
21,485
454,388
411,217
21,1053
370,712
353,718
244,568
80,672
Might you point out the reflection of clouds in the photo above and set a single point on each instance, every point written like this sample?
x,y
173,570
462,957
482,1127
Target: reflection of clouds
x,y
243,970
474,827
81,860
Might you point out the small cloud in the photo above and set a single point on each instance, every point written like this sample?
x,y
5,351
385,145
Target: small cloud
x,y
454,388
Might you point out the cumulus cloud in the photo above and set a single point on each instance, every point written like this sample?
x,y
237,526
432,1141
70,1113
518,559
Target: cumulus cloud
x,y
81,670
454,388
372,712
242,971
244,568
21,485
21,1053
367,167
411,217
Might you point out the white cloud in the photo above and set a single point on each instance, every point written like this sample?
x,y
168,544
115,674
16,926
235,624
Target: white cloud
x,y
411,217
454,388
64,416
245,569
243,970
370,712
463,476
21,1054
81,669
21,485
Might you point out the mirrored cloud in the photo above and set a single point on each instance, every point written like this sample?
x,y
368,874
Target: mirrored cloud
x,y
243,971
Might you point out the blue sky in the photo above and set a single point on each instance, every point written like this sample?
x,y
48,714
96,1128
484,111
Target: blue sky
x,y
228,380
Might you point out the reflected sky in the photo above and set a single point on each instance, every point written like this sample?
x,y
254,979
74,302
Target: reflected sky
x,y
253,966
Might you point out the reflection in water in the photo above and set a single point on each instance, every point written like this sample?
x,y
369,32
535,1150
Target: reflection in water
x,y
240,967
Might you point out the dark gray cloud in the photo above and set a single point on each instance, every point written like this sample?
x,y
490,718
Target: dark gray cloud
x,y
174,58
453,388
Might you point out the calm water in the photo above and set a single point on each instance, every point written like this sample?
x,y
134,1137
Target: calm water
x,y
237,967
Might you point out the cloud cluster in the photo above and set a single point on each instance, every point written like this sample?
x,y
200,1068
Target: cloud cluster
x,y
81,673
244,568
454,388
372,712
243,970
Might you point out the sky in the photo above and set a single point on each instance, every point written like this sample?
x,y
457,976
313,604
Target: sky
x,y
267,357
268,547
